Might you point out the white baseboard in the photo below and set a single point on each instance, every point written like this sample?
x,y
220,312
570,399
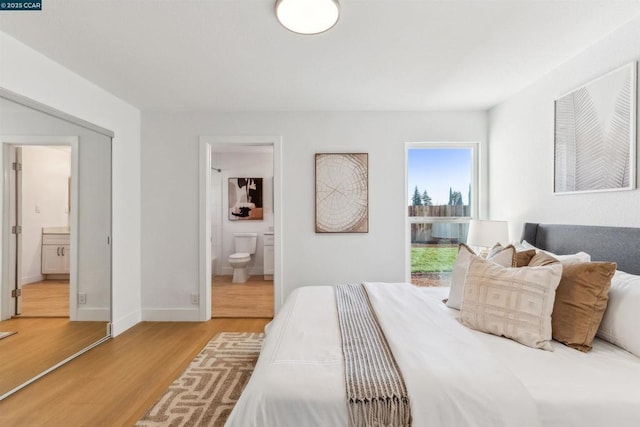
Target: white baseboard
x,y
171,314
125,322
62,276
32,279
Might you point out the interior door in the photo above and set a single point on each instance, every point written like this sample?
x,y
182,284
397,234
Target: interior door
x,y
15,220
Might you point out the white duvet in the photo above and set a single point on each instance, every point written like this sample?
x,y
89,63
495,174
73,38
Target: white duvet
x,y
455,376
451,377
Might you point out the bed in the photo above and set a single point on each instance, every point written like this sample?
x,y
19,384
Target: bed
x,y
454,375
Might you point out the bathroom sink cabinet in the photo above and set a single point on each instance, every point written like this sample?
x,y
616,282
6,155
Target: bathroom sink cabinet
x,y
55,253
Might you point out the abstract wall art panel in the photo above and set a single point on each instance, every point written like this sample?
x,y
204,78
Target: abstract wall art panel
x,y
245,199
595,135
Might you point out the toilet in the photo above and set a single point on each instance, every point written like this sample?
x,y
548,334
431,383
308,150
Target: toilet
x,y
244,245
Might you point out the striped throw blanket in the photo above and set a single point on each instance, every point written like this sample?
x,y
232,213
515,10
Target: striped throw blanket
x,y
376,392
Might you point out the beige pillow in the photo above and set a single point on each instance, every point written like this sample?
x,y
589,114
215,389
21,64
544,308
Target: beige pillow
x,y
504,258
541,259
523,258
493,251
581,299
512,302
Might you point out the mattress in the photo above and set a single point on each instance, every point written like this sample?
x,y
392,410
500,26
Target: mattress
x,y
298,379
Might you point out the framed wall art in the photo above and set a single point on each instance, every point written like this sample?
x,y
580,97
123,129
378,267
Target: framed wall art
x,y
595,135
245,199
342,193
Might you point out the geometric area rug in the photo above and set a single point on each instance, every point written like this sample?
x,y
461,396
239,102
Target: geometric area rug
x,y
209,388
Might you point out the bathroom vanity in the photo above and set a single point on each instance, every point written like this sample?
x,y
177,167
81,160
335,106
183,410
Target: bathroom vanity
x,y
55,251
268,265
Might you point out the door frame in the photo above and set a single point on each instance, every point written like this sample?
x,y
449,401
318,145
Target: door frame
x,y
206,145
15,219
7,305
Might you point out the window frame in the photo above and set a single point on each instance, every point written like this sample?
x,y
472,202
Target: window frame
x,y
474,209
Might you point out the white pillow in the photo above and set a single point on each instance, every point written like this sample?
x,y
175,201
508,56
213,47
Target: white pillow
x,y
621,322
505,258
522,246
511,302
564,259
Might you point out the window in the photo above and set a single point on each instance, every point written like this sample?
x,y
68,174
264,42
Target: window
x,y
442,191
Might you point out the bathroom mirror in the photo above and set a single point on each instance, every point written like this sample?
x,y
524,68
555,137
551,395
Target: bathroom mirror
x,y
55,292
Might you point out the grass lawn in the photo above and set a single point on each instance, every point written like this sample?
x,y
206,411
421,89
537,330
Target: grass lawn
x,y
433,259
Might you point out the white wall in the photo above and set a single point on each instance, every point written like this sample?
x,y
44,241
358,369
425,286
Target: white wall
x,y
170,194
45,175
234,165
521,146
27,72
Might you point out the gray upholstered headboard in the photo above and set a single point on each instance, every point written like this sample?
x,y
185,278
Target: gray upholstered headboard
x,y
619,244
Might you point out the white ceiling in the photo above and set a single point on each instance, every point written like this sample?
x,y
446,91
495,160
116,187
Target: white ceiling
x,y
387,55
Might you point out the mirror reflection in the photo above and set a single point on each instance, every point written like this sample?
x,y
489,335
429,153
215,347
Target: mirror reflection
x,y
55,294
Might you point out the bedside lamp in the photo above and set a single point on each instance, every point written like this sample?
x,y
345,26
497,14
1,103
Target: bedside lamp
x,y
484,234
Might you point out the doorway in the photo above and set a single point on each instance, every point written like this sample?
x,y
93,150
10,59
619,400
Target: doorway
x,y
43,252
252,164
242,222
38,208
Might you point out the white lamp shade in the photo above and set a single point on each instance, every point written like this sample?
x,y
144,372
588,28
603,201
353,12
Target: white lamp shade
x,y
307,16
483,233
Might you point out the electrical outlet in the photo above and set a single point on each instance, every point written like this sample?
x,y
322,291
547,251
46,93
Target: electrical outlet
x,y
195,299
82,298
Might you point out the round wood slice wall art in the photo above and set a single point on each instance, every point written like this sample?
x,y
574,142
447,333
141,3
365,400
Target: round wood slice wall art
x,y
342,196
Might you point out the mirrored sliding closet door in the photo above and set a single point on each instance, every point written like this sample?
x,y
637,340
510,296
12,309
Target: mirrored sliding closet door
x,y
55,292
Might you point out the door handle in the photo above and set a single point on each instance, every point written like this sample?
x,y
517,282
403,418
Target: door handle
x,y
63,251
58,250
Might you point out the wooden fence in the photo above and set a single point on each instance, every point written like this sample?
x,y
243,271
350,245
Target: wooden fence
x,y
439,232
440,210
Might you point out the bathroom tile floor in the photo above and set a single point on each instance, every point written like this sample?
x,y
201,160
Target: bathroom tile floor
x,y
251,299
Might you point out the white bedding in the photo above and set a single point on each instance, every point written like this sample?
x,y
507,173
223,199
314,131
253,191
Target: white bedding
x,y
570,388
455,376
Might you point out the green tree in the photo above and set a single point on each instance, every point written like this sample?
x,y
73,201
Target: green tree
x,y
426,200
417,199
455,198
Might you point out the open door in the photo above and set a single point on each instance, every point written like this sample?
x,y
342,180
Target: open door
x,y
15,221
37,235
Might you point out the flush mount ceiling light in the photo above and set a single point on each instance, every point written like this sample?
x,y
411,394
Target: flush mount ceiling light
x,y
308,16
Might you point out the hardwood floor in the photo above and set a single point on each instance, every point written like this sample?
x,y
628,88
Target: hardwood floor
x,y
48,298
115,383
251,299
40,344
